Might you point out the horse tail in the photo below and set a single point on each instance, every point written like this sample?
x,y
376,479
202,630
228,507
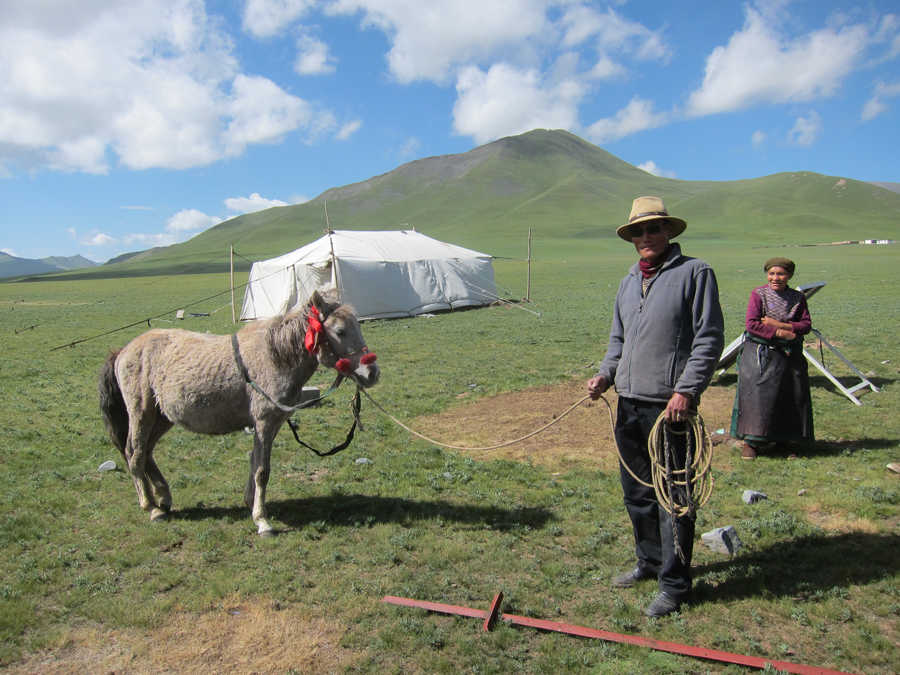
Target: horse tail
x,y
112,403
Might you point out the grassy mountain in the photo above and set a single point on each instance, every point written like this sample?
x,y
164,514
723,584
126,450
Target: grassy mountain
x,y
564,188
11,266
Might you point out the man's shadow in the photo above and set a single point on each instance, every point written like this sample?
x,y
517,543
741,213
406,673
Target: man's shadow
x,y
806,567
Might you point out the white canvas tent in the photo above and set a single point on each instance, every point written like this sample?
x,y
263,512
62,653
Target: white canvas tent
x,y
382,274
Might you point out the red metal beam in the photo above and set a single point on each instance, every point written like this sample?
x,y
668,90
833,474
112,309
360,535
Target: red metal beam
x,y
660,645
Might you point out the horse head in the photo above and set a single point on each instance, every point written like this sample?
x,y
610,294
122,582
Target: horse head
x,y
333,332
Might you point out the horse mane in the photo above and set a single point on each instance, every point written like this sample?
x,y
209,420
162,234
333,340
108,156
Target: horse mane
x,y
286,332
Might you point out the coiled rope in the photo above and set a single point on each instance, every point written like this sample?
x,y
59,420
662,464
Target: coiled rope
x,y
679,491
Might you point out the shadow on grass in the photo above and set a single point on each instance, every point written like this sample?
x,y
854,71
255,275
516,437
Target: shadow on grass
x,y
805,567
356,509
821,382
823,449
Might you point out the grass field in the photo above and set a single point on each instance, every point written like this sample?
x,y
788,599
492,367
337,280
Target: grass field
x,y
90,585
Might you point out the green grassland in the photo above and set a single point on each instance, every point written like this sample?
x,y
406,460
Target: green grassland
x,y
811,585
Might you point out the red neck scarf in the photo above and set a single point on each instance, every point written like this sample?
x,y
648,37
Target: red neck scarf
x,y
650,267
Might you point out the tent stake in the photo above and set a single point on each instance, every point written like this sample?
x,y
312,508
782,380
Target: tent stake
x,y
528,274
491,615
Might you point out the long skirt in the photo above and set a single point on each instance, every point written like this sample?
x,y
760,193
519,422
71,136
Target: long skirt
x,y
772,402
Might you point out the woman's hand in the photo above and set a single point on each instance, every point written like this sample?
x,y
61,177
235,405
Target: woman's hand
x,y
769,321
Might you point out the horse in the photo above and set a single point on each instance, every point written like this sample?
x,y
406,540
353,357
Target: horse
x,y
218,384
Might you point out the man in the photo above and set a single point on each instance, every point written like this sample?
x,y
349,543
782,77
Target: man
x,y
664,344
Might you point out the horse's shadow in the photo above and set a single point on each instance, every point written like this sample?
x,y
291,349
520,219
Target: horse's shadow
x,y
358,509
809,568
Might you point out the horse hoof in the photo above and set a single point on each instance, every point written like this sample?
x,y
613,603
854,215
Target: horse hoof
x,y
267,534
158,516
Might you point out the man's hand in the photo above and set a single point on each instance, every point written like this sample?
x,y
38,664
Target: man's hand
x,y
676,410
596,386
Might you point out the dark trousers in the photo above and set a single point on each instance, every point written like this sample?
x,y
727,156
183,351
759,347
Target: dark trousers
x,y
654,540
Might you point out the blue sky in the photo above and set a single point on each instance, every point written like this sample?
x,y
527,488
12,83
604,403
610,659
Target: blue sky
x,y
126,125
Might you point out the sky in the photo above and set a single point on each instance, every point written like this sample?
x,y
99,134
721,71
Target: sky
x,y
127,125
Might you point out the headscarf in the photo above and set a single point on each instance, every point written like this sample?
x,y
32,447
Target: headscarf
x,y
784,263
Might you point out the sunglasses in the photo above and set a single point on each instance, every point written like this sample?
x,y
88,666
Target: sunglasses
x,y
637,231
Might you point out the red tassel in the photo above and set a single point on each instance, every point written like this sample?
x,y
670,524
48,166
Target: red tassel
x,y
343,366
314,329
368,359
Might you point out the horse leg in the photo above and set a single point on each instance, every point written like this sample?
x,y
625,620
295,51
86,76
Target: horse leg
x,y
250,490
259,475
159,484
140,426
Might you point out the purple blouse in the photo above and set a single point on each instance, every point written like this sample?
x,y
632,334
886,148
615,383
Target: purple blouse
x,y
787,307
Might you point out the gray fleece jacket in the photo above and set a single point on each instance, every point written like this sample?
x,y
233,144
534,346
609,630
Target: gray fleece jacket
x,y
669,339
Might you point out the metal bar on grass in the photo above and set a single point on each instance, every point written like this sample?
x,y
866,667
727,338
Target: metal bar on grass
x,y
659,645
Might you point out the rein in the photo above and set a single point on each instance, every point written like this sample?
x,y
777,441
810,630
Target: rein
x,y
242,369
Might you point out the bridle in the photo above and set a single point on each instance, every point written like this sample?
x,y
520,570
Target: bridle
x,y
313,344
317,336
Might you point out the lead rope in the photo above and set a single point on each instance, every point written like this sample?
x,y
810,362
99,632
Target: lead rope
x,y
490,447
694,483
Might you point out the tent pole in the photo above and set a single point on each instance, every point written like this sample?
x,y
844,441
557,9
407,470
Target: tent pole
x,y
327,224
528,276
233,319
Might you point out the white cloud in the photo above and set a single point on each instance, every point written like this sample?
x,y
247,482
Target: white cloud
x,y
650,167
9,251
262,112
806,130
252,203
153,83
410,148
152,240
637,116
313,57
180,227
876,106
298,199
506,100
348,130
757,139
429,40
264,18
606,69
190,220
760,64
613,34
138,208
98,239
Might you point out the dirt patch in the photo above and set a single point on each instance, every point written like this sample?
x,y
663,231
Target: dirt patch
x,y
583,437
241,639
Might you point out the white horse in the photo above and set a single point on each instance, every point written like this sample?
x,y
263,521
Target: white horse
x,y
214,384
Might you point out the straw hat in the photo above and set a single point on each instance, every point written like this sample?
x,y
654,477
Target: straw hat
x,y
650,208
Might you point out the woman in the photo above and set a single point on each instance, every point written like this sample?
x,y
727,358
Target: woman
x,y
772,402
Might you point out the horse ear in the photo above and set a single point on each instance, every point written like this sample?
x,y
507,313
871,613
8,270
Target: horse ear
x,y
316,301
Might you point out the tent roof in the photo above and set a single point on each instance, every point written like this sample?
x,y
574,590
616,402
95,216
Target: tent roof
x,y
383,246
